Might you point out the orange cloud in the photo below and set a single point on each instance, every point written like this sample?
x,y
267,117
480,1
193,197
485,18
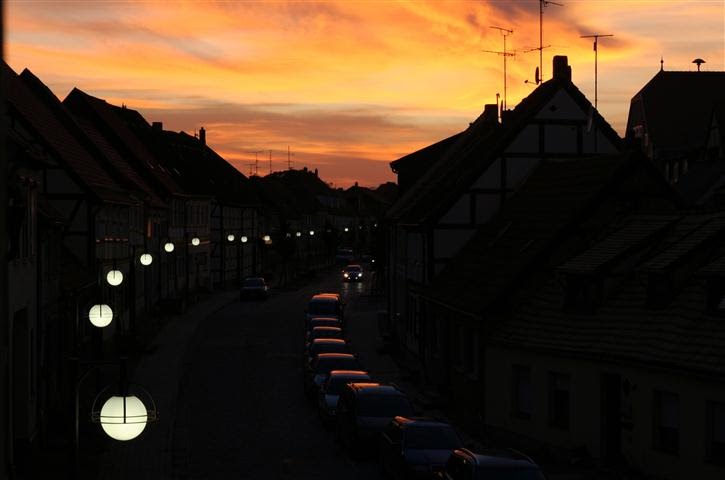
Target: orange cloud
x,y
362,81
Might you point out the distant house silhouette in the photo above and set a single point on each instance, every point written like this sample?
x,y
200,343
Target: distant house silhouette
x,y
669,119
456,185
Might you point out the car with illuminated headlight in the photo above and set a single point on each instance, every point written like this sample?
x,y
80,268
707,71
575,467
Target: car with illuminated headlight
x,y
352,273
416,447
254,287
329,392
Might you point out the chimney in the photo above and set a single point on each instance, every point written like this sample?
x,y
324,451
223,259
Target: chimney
x,y
202,136
317,173
561,68
157,126
490,113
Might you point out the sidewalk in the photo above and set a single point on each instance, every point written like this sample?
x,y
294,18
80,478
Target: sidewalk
x,y
159,370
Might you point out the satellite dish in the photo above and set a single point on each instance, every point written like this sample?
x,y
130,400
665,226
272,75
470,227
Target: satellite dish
x,y
536,76
698,61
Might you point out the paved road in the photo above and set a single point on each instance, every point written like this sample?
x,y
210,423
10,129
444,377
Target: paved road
x,y
241,408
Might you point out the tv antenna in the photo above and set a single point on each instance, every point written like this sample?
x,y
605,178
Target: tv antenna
x,y
256,160
505,32
542,3
289,161
596,52
250,169
270,162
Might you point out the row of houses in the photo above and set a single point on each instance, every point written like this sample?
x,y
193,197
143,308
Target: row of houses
x,y
93,188
560,289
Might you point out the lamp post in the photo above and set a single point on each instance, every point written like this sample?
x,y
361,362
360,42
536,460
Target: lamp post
x,y
122,416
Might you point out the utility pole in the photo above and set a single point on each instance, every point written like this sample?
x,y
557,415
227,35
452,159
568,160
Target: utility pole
x,y
596,54
270,162
542,4
505,32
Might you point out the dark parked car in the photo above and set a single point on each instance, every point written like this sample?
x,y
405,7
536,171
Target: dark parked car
x,y
325,305
323,332
329,392
323,322
319,369
326,345
363,412
416,447
490,464
254,287
352,273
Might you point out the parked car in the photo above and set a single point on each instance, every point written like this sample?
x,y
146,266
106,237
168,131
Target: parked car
x,y
506,464
325,345
325,305
323,332
352,273
329,392
254,287
317,372
416,447
363,412
323,322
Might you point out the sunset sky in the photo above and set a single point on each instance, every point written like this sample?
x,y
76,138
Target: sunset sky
x,y
349,85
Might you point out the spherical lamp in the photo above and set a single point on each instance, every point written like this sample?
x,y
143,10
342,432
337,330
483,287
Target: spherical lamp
x,y
230,237
146,259
312,233
347,229
168,247
195,241
299,234
123,418
100,315
244,239
114,278
267,238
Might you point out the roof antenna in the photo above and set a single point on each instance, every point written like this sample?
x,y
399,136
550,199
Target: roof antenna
x,y
289,161
542,4
256,161
662,64
698,61
596,54
505,32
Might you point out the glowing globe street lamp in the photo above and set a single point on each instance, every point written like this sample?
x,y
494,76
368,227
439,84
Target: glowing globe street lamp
x,y
347,229
114,278
230,237
195,241
244,239
168,247
146,259
298,234
267,239
123,417
312,233
100,315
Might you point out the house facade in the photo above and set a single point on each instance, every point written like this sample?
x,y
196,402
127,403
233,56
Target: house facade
x,y
474,174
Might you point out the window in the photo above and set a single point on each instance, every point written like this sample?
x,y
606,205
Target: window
x,y
716,432
559,400
666,422
521,395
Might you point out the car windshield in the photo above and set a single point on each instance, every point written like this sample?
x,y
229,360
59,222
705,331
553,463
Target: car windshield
x,y
254,282
323,308
353,268
509,474
431,438
317,348
384,406
326,365
336,384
